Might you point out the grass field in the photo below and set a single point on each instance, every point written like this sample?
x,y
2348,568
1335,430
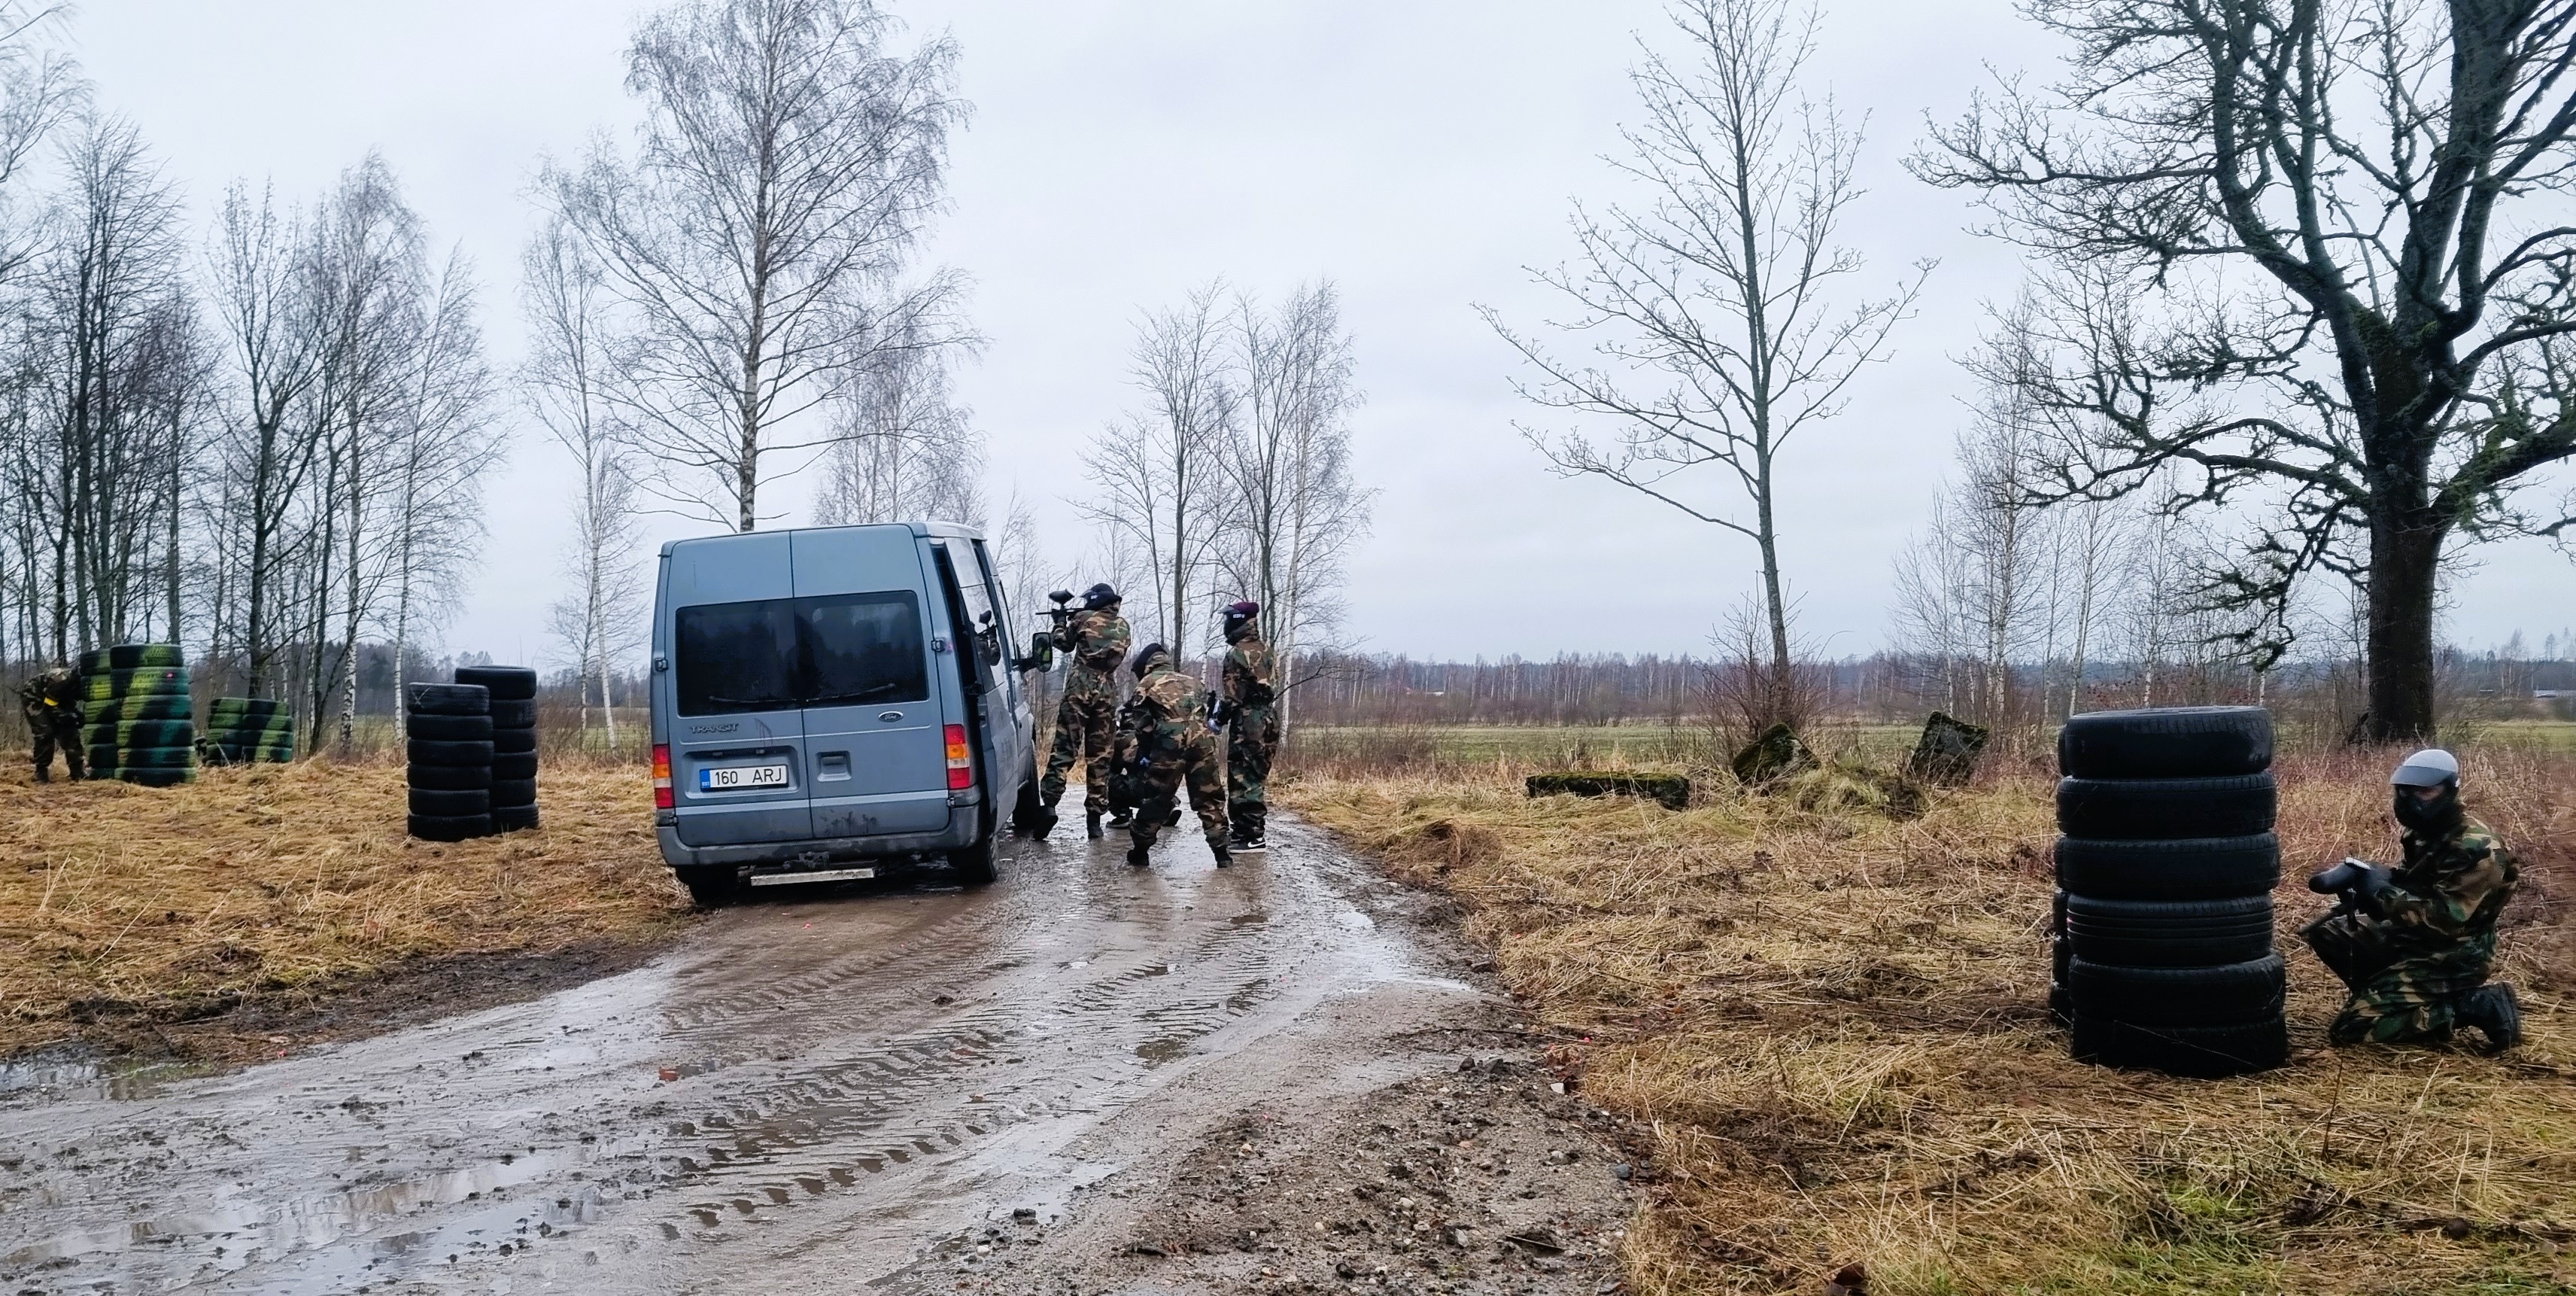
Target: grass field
x,y
1834,1024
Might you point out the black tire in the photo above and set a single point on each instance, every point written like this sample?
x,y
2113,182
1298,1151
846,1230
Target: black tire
x,y
433,801
513,742
513,713
2168,933
245,708
514,792
521,765
513,818
430,751
507,683
979,864
450,828
448,728
154,778
711,886
130,656
140,706
2061,953
2239,805
450,778
2226,1049
147,681
2166,743
141,733
125,758
2180,996
2061,1006
449,699
2188,868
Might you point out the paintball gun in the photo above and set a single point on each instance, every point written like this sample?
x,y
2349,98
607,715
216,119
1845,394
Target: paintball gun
x,y
1042,644
2352,876
1221,713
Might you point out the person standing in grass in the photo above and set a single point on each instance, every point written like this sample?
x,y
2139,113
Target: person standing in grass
x,y
52,700
2415,943
1251,725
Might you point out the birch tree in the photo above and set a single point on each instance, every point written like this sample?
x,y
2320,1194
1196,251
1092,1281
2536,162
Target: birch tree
x,y
902,447
1157,469
564,382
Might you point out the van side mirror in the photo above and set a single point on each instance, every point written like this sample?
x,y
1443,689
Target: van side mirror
x,y
1041,654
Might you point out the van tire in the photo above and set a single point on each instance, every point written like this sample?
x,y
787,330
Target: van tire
x,y
979,864
2166,742
710,886
2239,805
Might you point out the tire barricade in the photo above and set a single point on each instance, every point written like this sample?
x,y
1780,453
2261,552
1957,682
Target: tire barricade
x,y
2163,951
448,761
514,742
248,731
137,717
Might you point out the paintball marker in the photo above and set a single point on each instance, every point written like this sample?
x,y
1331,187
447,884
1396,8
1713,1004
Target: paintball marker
x,y
1042,644
1221,713
2352,876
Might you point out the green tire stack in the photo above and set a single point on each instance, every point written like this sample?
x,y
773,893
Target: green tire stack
x,y
136,714
249,731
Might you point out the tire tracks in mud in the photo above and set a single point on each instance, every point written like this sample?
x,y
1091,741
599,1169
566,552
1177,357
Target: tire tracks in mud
x,y
846,1066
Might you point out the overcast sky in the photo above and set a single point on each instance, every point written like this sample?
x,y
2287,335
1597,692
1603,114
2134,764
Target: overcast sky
x,y
1418,153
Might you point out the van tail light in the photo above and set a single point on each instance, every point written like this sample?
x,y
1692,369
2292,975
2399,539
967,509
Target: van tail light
x,y
661,777
961,767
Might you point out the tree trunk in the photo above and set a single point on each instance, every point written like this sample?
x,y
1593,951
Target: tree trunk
x,y
2404,567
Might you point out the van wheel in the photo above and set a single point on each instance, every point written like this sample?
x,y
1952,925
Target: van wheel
x,y
979,864
712,887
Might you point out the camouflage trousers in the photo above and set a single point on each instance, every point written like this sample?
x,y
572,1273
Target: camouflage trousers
x,y
1251,740
55,730
1082,723
1167,769
2400,993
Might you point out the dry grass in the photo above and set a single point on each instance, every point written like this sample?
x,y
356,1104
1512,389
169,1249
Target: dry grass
x,y
120,903
1836,1025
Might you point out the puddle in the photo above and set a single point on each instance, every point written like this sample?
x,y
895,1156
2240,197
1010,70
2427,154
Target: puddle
x,y
62,1077
1156,1052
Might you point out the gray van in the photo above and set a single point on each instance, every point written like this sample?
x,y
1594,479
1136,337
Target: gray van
x,y
832,702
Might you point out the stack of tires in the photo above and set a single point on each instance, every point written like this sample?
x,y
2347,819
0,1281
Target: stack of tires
x,y
137,720
249,731
448,747
514,742
2165,876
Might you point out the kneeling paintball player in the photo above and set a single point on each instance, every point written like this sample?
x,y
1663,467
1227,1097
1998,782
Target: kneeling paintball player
x,y
52,701
1174,747
2415,943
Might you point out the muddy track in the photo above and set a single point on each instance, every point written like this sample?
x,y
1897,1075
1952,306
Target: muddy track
x,y
856,1079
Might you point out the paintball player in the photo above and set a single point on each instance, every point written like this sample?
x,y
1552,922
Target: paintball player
x,y
1174,746
1251,725
1096,638
52,700
2415,943
1122,761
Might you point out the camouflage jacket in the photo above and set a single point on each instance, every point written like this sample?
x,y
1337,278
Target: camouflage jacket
x,y
2448,889
1247,671
1171,712
1097,639
57,691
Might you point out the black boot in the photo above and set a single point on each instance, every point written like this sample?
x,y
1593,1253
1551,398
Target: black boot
x,y
1091,825
1223,857
1121,817
2494,1011
1137,855
44,775
1044,823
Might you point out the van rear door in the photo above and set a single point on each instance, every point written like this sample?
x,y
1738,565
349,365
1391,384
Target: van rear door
x,y
872,724
738,767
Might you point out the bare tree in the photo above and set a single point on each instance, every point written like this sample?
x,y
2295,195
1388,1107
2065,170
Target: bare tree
x,y
564,382
40,88
2317,254
1715,337
787,166
444,440
902,447
1291,510
1156,470
268,463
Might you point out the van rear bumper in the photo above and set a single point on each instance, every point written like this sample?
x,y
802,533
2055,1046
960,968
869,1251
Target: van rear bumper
x,y
957,835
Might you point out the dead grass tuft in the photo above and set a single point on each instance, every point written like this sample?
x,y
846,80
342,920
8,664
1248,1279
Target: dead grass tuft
x,y
120,903
1835,1022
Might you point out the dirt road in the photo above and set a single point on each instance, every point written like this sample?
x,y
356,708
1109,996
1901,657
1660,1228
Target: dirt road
x,y
1087,1078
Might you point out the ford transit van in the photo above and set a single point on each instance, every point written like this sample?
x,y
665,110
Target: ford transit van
x,y
835,703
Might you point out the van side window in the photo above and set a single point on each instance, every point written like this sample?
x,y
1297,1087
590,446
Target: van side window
x,y
987,626
863,648
774,654
733,657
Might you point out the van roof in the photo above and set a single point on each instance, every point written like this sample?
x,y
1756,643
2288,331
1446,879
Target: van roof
x,y
956,530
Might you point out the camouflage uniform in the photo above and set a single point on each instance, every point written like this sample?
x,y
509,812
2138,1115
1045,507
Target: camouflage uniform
x,y
1252,732
1097,640
1123,792
1175,746
53,704
2412,951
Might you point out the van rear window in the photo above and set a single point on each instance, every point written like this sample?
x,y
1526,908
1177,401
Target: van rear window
x,y
777,654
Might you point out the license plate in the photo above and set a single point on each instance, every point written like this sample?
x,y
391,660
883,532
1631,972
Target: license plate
x,y
734,777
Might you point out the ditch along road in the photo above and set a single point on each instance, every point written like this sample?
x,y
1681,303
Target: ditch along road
x,y
1283,1076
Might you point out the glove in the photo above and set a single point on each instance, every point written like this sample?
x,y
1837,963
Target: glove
x,y
1220,714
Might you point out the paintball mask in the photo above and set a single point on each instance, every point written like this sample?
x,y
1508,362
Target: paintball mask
x,y
1146,657
1099,596
1238,614
2427,816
